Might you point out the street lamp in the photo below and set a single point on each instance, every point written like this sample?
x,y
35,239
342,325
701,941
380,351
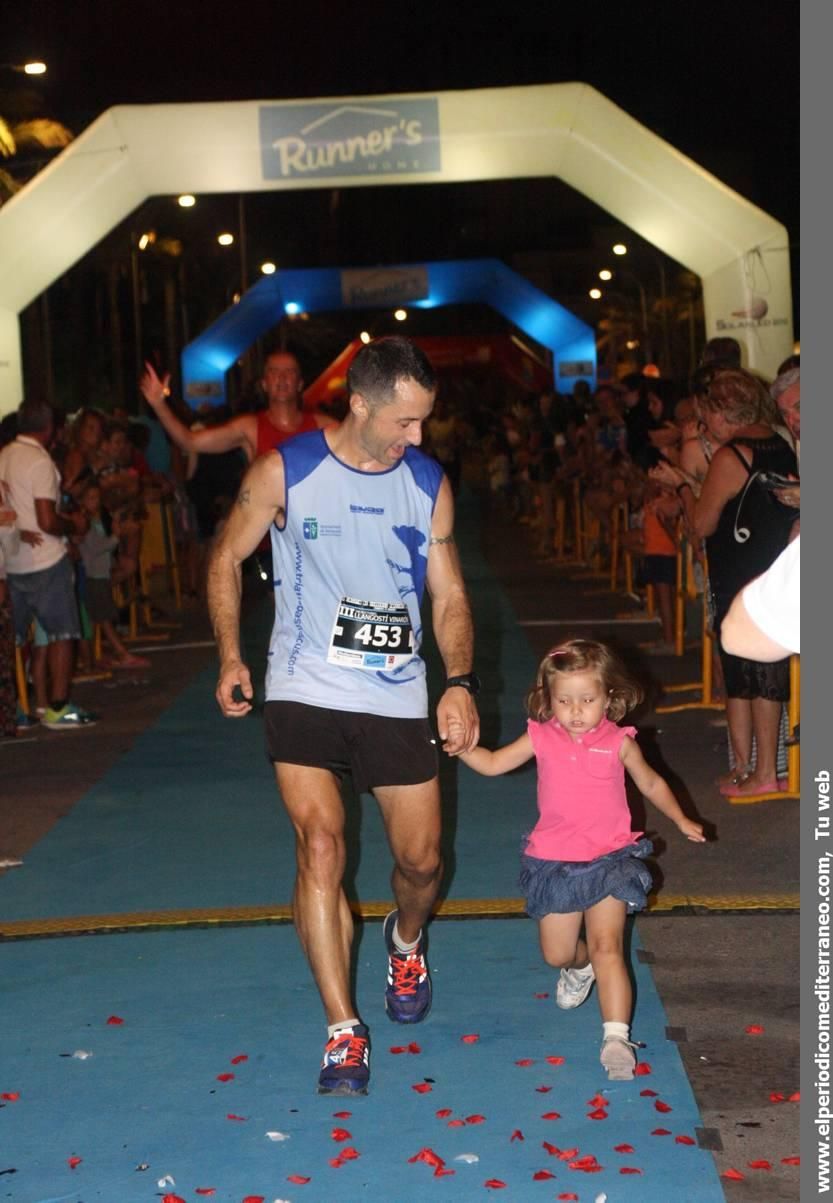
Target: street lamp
x,y
31,68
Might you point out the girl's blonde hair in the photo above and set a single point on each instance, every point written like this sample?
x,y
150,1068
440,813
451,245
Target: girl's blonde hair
x,y
579,656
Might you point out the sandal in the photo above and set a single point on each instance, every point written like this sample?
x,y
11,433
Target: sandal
x,y
742,789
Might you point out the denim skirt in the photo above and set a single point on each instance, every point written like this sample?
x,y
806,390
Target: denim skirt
x,y
563,887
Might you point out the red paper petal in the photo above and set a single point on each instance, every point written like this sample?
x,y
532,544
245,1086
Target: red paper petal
x,y
298,1179
791,1161
568,1196
685,1140
349,1154
428,1156
456,1123
342,1114
254,1199
336,1163
643,1069
472,1038
475,1119
599,1113
225,1077
629,1169
414,1048
554,1060
623,1149
172,1199
660,1132
542,1176
10,1096
422,1088
759,1165
583,1163
398,1048
207,1190
598,1100
240,1119
553,1150
776,1097
72,1162
442,1172
115,1021
735,1175
754,1029
662,1107
524,1061
795,1098
551,1115
340,1134
647,1094
543,1089
516,1135
540,996
443,1113
494,1184
239,1058
567,1154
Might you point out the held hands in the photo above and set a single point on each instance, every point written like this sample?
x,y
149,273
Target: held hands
x,y
152,388
458,723
234,675
692,831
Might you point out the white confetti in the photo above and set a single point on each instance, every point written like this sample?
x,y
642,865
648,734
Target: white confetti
x,y
166,1181
602,1198
81,1054
469,1158
277,1136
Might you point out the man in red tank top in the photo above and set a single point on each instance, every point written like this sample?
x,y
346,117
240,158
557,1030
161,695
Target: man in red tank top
x,y
254,433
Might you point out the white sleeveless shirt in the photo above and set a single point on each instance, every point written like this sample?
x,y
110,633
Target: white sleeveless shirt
x,y
349,567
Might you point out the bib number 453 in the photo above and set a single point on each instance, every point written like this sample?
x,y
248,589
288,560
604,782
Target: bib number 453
x,y
379,635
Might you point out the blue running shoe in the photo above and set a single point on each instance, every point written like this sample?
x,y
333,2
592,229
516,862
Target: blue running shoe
x,y
408,990
346,1065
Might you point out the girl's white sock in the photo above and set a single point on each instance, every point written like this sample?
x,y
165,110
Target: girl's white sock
x,y
616,1029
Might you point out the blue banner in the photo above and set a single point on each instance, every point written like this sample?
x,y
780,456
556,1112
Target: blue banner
x,y
310,141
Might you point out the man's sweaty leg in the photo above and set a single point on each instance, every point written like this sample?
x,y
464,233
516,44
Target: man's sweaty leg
x,y
321,914
412,821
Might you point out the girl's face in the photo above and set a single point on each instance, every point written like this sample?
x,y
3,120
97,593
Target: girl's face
x,y
91,502
579,701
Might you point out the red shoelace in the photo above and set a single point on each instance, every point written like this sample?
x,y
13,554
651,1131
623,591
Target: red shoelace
x,y
356,1047
407,970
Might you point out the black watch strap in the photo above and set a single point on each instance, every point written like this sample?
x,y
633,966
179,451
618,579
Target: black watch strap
x,y
469,681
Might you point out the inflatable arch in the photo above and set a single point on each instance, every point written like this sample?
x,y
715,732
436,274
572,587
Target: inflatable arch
x,y
565,130
208,357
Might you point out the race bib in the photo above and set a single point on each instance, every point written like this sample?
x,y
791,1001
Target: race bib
x,y
371,635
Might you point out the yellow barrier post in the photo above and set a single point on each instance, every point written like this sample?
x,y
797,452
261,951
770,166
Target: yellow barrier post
x,y
22,683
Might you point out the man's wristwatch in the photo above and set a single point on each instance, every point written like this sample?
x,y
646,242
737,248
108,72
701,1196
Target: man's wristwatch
x,y
469,681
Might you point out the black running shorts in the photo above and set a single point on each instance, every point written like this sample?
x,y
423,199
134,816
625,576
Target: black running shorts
x,y
375,750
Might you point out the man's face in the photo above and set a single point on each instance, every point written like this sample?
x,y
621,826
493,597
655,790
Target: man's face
x,y
282,381
118,448
386,434
789,407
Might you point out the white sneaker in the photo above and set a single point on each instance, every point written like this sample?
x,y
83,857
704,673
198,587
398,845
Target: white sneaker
x,y
618,1058
573,987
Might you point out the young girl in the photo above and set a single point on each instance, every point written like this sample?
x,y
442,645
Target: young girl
x,y
582,861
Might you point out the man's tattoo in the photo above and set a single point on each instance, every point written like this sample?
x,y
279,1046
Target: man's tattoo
x,y
444,539
244,497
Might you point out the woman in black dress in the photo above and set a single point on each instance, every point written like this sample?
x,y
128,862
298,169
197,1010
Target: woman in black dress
x,y
745,527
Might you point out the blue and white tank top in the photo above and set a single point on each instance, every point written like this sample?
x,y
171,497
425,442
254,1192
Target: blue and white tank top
x,y
349,567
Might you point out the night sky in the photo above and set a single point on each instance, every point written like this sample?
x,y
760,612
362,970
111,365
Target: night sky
x,y
717,81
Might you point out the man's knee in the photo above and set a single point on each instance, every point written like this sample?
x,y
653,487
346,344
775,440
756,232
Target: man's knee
x,y
420,866
321,853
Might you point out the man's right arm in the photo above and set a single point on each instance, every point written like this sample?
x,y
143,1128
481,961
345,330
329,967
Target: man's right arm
x,y
259,502
210,441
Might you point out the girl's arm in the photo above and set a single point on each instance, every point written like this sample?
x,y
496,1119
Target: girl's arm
x,y
656,790
502,760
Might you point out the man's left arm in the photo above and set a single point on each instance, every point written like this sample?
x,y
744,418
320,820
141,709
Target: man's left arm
x,y
457,719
